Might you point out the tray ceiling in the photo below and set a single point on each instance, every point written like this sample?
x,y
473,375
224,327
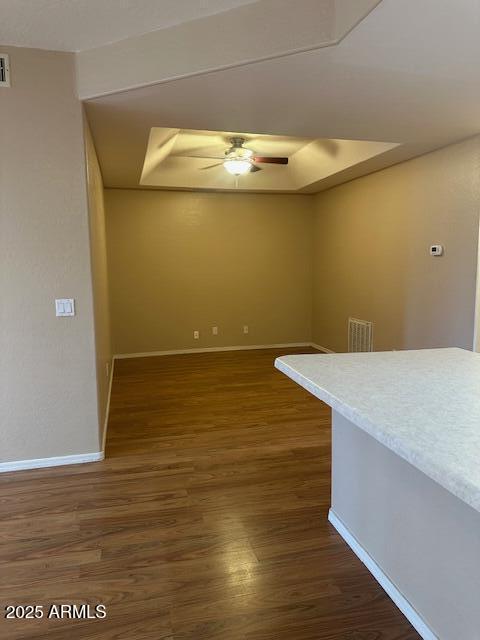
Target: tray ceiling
x,y
191,159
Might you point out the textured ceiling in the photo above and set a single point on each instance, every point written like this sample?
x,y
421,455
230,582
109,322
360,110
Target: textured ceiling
x,y
393,78
76,25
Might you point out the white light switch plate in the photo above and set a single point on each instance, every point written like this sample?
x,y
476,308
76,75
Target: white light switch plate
x,y
64,307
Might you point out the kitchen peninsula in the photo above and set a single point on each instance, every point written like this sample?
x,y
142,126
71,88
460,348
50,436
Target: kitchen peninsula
x,y
406,475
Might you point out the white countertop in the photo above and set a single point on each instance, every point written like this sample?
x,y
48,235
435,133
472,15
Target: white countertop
x,y
423,405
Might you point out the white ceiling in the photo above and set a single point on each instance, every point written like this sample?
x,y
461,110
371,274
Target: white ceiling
x,y
408,73
77,25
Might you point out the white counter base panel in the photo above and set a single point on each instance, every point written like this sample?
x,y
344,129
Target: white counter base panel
x,y
421,543
383,580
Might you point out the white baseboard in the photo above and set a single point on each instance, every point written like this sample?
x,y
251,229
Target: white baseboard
x,y
388,586
57,461
320,348
174,352
39,463
107,409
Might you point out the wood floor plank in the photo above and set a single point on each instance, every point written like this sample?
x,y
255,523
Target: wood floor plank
x,y
206,521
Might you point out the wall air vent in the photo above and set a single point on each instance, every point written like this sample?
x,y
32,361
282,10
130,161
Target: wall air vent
x,y
360,335
4,70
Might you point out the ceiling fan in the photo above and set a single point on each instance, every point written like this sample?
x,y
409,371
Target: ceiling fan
x,y
238,160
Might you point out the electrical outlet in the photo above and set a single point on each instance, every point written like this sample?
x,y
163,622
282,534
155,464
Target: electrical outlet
x,y
196,335
436,250
215,331
245,328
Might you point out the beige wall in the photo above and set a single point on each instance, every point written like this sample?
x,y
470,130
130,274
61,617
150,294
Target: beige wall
x,y
47,364
371,253
180,261
98,253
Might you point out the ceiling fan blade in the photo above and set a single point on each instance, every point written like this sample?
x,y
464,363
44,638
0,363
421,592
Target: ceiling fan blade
x,y
270,160
255,168
210,166
198,157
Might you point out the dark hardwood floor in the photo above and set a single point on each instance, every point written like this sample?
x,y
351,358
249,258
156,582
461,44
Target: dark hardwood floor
x,y
207,520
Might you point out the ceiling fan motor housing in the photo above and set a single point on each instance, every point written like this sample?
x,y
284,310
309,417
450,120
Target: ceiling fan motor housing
x,y
237,150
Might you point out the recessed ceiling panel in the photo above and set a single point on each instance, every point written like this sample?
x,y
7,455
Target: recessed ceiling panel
x,y
190,159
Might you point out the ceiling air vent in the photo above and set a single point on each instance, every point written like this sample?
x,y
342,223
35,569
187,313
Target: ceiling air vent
x,y
4,70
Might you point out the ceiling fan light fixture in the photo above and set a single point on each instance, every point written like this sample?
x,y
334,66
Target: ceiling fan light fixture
x,y
237,166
